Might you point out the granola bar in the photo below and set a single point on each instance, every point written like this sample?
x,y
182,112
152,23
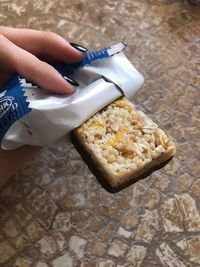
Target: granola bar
x,y
121,144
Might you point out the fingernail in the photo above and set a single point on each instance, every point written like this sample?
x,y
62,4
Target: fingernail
x,y
71,81
79,47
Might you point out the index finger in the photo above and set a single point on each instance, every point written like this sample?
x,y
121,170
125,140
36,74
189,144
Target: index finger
x,y
32,68
44,44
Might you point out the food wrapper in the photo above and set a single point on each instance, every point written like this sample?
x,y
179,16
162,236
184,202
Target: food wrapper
x,y
31,115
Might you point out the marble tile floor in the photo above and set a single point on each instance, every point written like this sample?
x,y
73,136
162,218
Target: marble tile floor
x,y
53,212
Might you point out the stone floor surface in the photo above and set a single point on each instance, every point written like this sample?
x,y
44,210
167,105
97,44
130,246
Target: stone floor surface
x,y
54,213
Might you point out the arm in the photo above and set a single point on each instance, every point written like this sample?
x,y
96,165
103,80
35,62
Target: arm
x,y
12,160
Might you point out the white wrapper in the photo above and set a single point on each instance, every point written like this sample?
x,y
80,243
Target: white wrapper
x,y
50,117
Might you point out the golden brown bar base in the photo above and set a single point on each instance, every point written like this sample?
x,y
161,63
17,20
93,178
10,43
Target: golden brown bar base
x,y
100,175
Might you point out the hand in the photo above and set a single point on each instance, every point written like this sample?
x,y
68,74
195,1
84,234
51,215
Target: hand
x,y
27,52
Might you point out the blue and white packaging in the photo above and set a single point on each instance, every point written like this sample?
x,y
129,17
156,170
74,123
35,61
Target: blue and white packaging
x,y
33,116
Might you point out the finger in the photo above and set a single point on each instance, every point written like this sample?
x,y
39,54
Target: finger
x,y
43,44
32,68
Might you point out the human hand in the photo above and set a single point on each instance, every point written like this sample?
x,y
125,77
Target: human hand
x,y
28,53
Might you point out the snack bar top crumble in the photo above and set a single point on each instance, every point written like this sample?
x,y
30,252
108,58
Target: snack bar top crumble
x,y
123,138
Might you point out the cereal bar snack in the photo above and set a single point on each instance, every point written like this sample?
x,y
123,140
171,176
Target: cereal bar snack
x,y
121,145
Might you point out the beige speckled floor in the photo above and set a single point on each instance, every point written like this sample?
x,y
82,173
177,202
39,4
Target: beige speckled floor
x,y
54,212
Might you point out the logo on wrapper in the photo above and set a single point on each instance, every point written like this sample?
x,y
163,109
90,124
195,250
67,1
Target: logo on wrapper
x,y
13,104
7,104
